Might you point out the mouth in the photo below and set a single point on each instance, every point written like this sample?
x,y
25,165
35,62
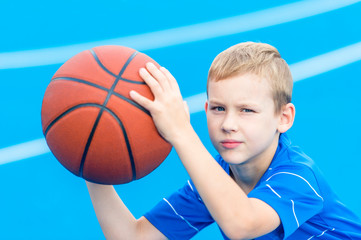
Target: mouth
x,y
230,144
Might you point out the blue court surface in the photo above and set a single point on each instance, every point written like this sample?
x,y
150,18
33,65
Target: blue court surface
x,y
320,39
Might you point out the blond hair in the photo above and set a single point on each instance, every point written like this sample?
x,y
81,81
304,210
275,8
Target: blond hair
x,y
260,59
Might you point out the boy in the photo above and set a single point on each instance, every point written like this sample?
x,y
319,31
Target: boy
x,y
259,187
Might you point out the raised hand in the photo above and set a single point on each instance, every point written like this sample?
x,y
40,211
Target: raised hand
x,y
169,111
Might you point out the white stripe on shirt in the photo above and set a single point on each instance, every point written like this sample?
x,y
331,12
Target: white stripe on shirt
x,y
294,213
299,177
273,190
190,185
333,229
189,224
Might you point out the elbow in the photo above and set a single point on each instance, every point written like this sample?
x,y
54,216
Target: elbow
x,y
240,230
237,234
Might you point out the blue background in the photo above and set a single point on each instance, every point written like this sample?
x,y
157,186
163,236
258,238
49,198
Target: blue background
x,y
39,199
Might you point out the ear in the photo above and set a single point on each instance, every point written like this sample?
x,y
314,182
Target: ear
x,y
286,117
206,106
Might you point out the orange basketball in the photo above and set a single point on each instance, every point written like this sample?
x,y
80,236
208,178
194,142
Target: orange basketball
x,y
90,123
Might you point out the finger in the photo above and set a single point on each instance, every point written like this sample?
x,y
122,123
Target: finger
x,y
158,75
150,81
141,100
172,81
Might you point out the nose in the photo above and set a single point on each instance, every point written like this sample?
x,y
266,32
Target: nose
x,y
229,123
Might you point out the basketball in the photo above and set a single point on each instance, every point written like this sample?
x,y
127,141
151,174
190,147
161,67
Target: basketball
x,y
90,123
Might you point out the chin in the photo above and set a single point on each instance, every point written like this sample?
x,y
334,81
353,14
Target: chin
x,y
232,158
235,162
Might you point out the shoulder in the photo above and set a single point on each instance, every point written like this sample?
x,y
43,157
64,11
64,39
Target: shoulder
x,y
292,173
290,187
289,156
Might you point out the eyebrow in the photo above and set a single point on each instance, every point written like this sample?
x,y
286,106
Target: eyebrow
x,y
240,105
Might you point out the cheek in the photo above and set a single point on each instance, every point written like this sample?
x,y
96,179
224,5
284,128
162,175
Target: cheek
x,y
212,129
259,131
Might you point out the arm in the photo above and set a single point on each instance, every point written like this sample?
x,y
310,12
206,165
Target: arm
x,y
115,219
239,216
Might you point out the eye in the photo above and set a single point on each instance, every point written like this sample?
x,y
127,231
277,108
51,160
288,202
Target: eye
x,y
246,110
218,109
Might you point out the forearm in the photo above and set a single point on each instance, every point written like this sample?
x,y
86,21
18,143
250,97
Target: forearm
x,y
225,200
115,219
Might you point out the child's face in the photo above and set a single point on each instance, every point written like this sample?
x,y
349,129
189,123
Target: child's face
x,y
241,119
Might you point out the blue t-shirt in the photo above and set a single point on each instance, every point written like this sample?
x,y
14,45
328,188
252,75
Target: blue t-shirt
x,y
293,186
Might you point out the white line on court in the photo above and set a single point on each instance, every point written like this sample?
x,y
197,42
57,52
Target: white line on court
x,y
159,39
301,70
23,151
326,62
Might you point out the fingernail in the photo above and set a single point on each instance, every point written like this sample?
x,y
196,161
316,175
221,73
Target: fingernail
x,y
150,64
132,93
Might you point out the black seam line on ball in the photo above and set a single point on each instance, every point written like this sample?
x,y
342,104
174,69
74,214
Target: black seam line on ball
x,y
104,89
115,117
81,81
92,104
114,75
65,113
97,86
101,64
132,81
133,103
110,92
103,108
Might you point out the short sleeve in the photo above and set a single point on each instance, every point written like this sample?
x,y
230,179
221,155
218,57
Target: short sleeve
x,y
293,194
181,215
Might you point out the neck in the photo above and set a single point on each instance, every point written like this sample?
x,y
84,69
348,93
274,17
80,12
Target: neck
x,y
248,174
